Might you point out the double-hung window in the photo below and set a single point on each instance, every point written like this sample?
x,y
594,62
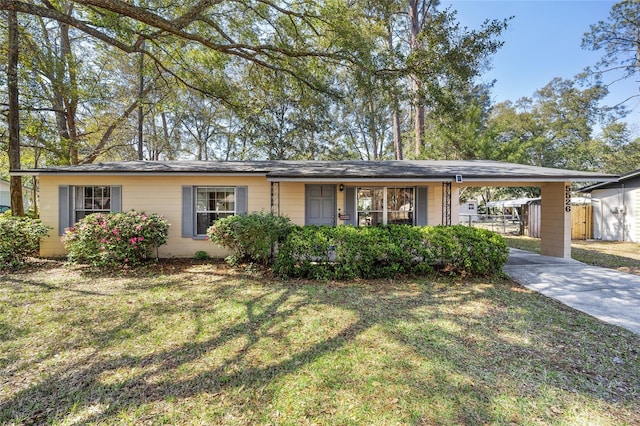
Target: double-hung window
x,y
91,199
77,202
385,205
203,205
213,203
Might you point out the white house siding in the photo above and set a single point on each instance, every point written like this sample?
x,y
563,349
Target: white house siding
x,y
5,195
634,208
609,221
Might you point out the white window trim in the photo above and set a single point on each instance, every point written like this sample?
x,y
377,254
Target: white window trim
x,y
196,212
81,209
385,211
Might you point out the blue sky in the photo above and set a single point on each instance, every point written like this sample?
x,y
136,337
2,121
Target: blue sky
x,y
542,42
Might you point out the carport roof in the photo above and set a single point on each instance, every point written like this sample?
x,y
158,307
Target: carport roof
x,y
280,170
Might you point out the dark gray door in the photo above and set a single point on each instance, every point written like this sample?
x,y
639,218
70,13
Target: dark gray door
x,y
320,205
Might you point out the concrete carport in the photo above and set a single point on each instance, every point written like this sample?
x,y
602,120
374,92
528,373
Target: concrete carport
x,y
555,224
555,186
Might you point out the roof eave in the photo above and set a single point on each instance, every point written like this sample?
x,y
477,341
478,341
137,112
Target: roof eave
x,y
129,173
488,180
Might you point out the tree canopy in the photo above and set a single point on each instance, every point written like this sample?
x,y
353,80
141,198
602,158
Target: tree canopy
x,y
267,79
619,38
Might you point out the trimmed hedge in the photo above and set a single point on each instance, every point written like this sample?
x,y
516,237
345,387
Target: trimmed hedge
x,y
250,237
347,252
19,238
109,239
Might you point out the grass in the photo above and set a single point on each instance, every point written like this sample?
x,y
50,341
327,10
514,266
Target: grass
x,y
181,343
622,256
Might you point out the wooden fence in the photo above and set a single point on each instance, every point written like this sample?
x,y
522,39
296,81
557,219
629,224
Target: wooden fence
x,y
581,221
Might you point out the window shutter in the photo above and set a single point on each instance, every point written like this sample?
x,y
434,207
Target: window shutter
x,y
187,211
421,206
350,205
242,200
116,199
65,208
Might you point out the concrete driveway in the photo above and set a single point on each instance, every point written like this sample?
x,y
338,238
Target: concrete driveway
x,y
606,294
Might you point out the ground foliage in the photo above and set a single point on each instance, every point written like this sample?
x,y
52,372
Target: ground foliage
x,y
250,237
19,238
348,252
201,343
107,239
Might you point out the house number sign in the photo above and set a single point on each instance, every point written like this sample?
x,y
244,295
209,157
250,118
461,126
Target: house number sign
x,y
567,198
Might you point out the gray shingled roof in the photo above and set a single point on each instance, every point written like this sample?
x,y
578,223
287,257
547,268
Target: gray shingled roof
x,y
472,170
631,177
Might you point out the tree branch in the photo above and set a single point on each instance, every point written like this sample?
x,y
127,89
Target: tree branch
x,y
31,9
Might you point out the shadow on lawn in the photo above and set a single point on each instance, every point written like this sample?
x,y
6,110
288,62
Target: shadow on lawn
x,y
20,282
476,348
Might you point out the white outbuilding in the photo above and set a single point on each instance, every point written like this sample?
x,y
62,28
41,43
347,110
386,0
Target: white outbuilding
x,y
616,208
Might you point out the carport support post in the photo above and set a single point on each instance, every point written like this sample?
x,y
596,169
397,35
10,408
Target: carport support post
x,y
555,222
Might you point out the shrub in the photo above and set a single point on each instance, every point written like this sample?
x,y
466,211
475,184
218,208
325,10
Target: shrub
x,y
466,250
347,252
107,239
19,238
250,237
201,255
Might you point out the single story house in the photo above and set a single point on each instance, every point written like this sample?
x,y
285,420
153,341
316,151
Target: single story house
x,y
616,208
193,194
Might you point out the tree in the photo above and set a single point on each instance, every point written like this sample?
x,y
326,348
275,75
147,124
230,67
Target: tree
x,y
17,207
555,128
74,87
619,36
226,79
222,35
227,27
419,16
285,119
460,131
444,61
621,154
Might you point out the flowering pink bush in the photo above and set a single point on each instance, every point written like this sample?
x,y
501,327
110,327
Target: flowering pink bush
x,y
115,238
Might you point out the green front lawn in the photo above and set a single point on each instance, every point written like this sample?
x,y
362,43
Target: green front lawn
x,y
180,343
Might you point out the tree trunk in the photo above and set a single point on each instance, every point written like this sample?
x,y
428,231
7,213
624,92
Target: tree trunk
x,y
397,135
71,91
397,132
418,13
17,207
414,31
372,129
166,136
418,124
140,110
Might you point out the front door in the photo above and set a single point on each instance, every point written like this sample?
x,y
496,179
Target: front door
x,y
320,205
